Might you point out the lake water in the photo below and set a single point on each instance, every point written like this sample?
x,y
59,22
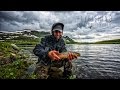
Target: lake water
x,y
97,61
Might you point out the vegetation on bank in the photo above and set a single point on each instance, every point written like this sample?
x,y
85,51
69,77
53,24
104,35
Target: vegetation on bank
x,y
23,41
14,63
116,41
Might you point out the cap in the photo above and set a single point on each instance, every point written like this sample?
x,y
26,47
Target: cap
x,y
58,26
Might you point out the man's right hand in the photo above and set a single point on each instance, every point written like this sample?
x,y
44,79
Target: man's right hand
x,y
53,55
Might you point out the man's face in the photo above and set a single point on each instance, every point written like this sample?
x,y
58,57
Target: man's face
x,y
57,34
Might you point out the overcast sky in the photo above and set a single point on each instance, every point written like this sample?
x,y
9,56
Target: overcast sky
x,y
83,26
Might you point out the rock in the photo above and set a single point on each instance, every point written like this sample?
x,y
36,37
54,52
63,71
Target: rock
x,y
4,60
1,58
1,54
13,56
15,47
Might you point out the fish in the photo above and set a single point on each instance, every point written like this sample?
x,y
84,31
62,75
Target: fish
x,y
64,55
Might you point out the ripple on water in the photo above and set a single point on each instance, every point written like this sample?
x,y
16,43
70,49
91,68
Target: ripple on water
x,y
96,61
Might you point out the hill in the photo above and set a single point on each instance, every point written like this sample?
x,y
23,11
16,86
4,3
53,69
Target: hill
x,y
30,35
115,41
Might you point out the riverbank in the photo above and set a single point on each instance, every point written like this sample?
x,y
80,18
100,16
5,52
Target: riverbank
x,y
17,60
14,62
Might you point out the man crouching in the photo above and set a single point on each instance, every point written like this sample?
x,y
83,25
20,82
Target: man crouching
x,y
48,52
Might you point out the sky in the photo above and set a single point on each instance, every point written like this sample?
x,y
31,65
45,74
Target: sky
x,y
82,26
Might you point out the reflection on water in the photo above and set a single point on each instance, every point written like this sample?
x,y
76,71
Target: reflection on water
x,y
97,61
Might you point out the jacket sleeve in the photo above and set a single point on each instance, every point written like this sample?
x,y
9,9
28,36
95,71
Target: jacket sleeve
x,y
41,50
63,48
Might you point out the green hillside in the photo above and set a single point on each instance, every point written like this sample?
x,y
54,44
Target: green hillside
x,y
115,41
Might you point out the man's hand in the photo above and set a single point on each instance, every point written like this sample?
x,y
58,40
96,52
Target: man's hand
x,y
71,56
53,55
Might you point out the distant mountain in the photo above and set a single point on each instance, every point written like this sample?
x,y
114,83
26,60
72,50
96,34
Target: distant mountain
x,y
115,41
16,35
68,40
37,33
29,35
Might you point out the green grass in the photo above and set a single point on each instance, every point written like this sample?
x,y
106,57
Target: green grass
x,y
17,67
14,70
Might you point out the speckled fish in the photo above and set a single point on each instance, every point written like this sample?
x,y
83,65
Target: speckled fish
x,y
64,55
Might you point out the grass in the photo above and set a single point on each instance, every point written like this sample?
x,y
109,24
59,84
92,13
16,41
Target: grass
x,y
14,67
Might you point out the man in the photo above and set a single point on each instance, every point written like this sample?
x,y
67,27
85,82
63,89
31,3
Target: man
x,y
48,51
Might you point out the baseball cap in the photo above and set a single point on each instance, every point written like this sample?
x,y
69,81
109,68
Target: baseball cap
x,y
58,27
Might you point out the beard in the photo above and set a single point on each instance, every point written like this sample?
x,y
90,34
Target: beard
x,y
58,37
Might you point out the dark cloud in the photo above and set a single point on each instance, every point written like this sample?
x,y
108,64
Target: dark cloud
x,y
116,19
78,22
11,16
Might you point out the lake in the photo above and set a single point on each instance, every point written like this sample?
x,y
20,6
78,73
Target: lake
x,y
97,61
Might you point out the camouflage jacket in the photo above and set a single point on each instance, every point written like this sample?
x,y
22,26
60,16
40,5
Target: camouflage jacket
x,y
47,44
